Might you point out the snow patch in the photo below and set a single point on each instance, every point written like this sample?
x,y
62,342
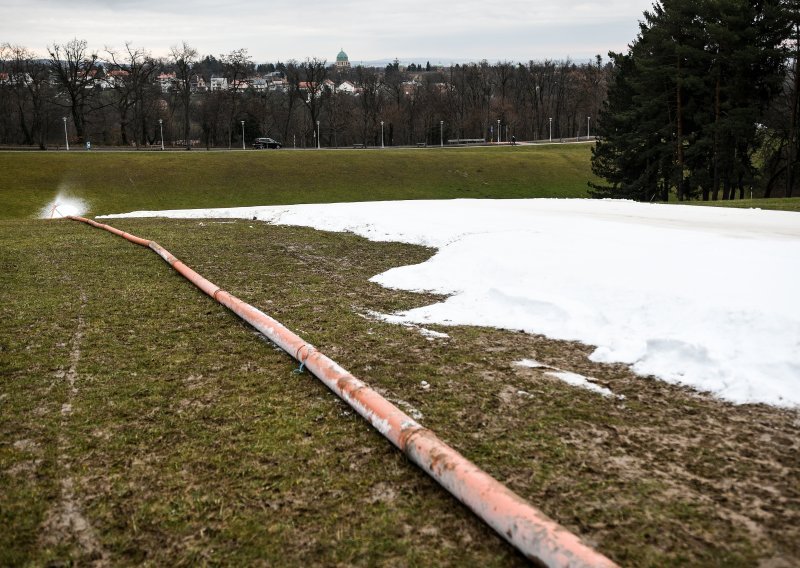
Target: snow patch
x,y
398,319
700,296
529,363
577,380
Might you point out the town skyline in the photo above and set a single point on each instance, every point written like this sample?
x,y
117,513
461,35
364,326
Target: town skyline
x,y
417,32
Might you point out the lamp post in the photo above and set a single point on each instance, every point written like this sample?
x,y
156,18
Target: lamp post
x,y
318,142
382,146
161,128
441,133
551,128
243,135
498,131
588,123
66,137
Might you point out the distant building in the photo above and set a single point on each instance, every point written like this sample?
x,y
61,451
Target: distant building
x,y
218,84
346,87
197,84
342,61
167,81
115,77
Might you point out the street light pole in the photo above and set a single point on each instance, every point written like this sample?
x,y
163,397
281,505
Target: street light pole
x,y
66,137
498,131
588,123
161,127
382,146
243,135
318,142
551,128
441,133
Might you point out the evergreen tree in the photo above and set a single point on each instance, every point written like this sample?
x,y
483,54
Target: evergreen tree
x,y
683,107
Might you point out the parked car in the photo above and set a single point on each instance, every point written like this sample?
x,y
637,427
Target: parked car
x,y
262,143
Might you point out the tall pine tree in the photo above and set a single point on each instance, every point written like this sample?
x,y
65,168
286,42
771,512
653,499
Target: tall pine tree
x,y
683,107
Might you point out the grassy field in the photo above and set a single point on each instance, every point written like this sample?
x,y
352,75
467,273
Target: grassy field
x,y
778,203
114,182
141,423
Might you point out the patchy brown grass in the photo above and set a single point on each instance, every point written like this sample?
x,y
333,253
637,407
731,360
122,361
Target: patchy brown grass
x,y
142,423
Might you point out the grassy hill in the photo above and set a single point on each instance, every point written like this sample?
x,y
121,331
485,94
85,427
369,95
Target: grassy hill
x,y
134,405
115,182
137,408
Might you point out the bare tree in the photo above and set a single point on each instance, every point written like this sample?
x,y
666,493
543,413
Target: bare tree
x,y
306,82
74,68
371,86
236,64
184,58
29,86
131,77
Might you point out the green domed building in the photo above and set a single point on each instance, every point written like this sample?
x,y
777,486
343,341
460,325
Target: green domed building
x,y
342,61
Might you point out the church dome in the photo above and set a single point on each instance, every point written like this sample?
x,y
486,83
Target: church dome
x,y
342,56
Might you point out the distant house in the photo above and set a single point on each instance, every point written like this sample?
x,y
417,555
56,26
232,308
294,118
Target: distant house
x,y
258,84
198,84
94,78
218,84
166,81
280,85
346,87
16,79
241,85
114,78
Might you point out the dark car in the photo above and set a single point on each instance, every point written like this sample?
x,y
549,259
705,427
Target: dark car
x,y
262,143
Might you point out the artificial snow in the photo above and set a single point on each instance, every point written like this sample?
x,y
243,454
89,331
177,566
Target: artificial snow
x,y
529,363
429,334
568,377
699,296
577,380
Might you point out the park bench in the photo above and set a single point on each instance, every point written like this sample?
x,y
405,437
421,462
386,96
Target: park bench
x,y
359,146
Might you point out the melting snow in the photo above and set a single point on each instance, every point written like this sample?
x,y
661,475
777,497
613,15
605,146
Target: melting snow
x,y
701,296
577,380
529,363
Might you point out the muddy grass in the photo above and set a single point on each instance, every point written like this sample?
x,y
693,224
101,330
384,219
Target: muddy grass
x,y
142,423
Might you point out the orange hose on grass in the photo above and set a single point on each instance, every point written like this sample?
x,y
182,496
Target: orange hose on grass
x,y
538,537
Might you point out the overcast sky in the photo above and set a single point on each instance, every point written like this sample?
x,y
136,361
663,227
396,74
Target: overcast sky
x,y
441,31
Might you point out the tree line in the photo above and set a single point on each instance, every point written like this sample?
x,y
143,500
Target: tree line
x,y
117,98
704,104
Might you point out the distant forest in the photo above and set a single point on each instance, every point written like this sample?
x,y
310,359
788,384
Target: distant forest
x,y
704,104
127,97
